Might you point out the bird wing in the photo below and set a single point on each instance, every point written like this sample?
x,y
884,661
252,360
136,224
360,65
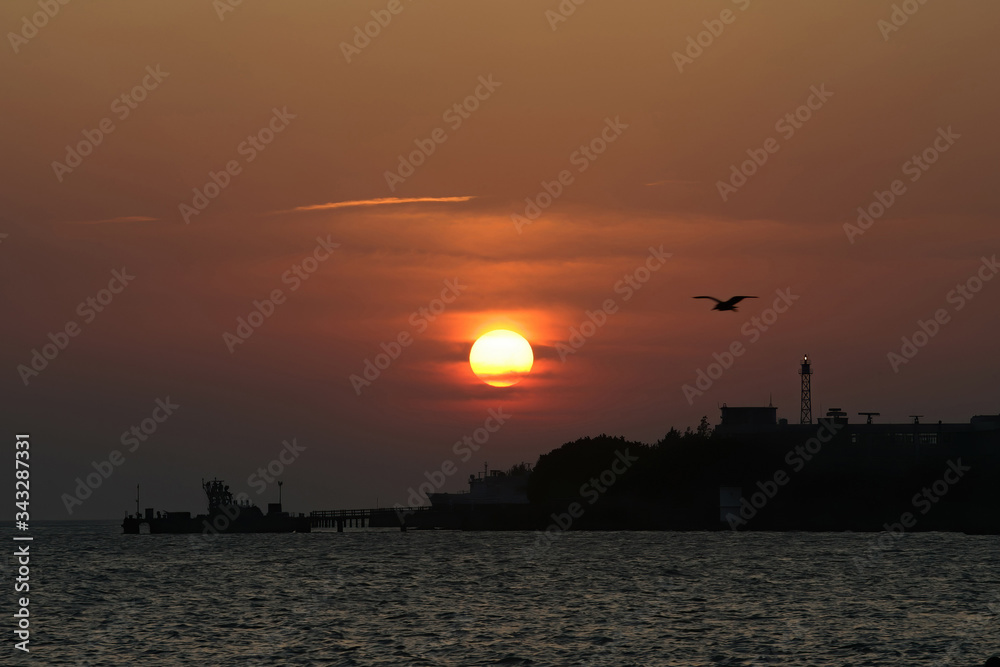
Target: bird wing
x,y
707,297
737,299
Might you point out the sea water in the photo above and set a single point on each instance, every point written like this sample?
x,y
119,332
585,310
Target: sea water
x,y
384,597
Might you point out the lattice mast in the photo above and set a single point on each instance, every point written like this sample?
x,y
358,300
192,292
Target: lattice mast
x,y
807,408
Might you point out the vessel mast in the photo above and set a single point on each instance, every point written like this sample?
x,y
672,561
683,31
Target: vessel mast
x,y
806,373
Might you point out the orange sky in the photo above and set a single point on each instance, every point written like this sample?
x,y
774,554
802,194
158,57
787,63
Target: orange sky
x,y
336,127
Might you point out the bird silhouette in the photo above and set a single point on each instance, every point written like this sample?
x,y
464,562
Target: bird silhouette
x,y
725,305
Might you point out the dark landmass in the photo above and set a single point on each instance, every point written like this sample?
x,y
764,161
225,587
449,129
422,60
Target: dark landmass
x,y
831,476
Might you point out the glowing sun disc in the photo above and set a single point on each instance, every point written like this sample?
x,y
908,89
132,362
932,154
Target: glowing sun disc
x,y
501,358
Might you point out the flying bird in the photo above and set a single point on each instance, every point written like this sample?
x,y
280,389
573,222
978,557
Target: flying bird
x,y
725,305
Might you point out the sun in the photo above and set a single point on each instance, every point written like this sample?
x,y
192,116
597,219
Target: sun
x,y
501,358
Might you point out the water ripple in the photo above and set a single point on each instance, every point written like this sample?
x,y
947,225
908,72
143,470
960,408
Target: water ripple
x,y
443,598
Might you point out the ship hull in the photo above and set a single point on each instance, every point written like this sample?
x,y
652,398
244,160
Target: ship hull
x,y
226,514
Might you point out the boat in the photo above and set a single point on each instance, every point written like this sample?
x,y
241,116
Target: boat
x,y
226,514
496,500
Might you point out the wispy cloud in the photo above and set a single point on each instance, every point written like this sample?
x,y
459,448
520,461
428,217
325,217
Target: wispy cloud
x,y
126,218
676,181
380,201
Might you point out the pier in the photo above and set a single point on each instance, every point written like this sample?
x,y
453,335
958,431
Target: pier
x,y
380,517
